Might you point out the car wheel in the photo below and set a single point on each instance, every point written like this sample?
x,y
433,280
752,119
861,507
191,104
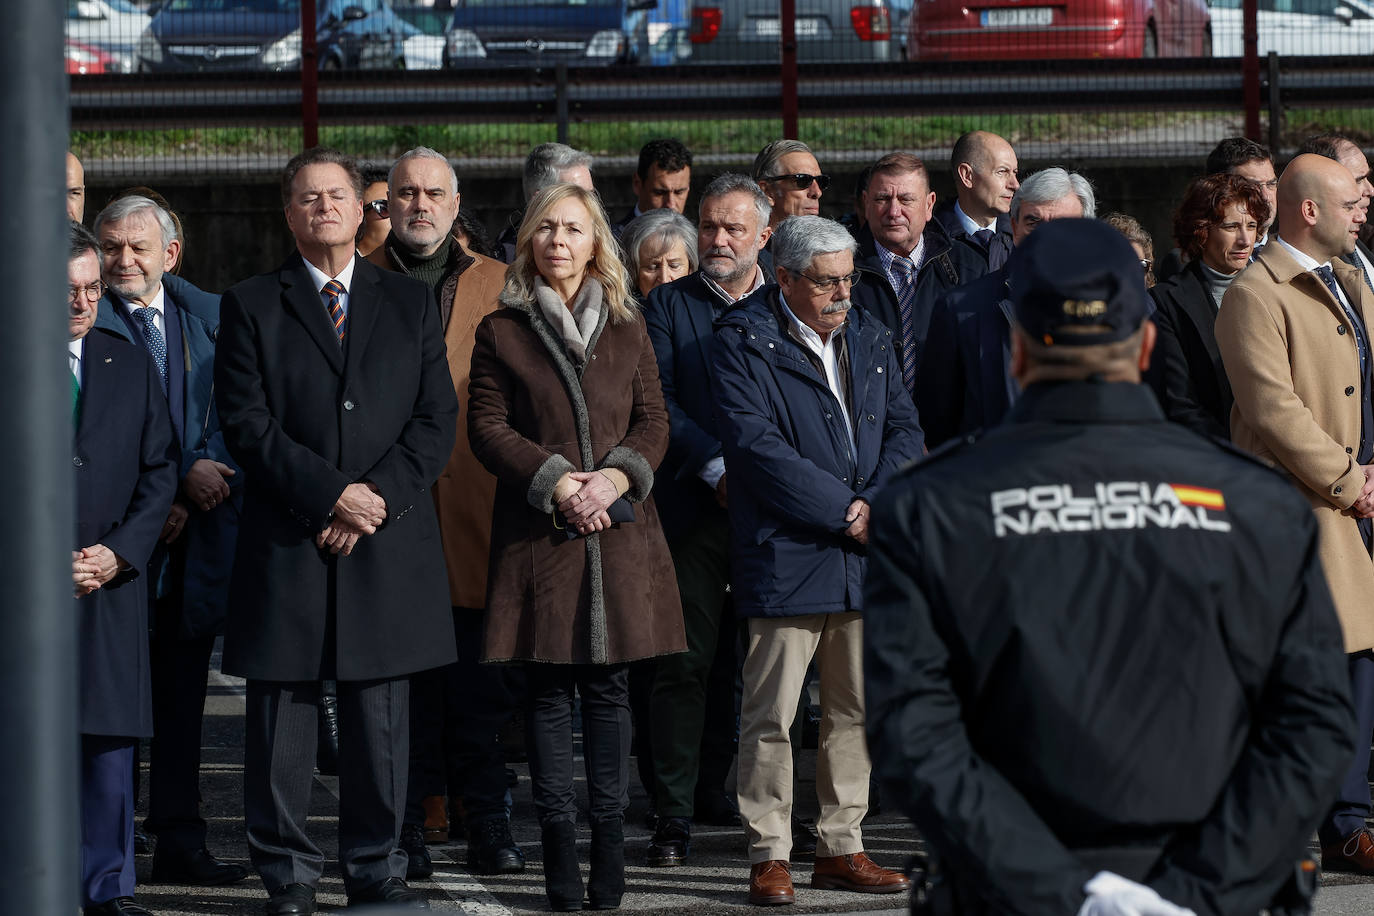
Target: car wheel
x,y
1151,45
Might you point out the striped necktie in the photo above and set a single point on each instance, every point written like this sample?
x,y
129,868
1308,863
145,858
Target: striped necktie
x,y
332,295
904,270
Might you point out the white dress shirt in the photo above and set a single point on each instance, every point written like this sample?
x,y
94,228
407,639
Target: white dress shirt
x,y
158,305
345,278
828,351
76,349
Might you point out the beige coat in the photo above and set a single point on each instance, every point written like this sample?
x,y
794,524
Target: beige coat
x,y
465,491
1290,354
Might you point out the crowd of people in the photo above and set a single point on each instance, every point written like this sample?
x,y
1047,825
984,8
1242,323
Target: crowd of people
x,y
623,471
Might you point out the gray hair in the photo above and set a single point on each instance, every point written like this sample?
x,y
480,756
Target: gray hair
x,y
661,227
1055,184
798,239
547,161
766,162
127,206
735,183
423,152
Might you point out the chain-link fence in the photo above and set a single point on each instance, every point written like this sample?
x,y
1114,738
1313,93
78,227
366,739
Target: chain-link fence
x,y
217,86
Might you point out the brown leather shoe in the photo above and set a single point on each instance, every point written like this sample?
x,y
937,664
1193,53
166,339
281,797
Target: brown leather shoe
x,y
436,818
770,883
857,873
1354,853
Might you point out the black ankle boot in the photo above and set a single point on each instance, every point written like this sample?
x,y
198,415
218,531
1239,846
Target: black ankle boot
x,y
607,883
562,879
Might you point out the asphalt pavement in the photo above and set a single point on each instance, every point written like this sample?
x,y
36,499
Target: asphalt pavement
x,y
713,882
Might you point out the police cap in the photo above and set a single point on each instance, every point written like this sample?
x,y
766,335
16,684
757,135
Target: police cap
x,y
1077,282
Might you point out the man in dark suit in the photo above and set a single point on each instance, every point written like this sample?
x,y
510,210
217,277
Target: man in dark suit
x,y
176,324
335,398
965,383
979,218
693,694
124,464
905,259
662,180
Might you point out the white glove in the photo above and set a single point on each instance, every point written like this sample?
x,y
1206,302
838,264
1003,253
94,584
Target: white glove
x,y
1112,895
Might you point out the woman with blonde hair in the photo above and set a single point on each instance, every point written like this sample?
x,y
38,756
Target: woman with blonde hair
x,y
567,413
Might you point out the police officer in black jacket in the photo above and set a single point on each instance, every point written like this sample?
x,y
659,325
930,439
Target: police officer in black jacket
x,y
1102,667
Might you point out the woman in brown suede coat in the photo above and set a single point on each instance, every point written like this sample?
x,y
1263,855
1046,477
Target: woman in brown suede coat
x,y
567,413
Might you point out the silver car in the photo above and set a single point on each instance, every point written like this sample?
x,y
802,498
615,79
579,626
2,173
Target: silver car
x,y
828,31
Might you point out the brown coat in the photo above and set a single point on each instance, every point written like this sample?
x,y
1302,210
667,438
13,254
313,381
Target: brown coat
x,y
1290,354
465,491
606,598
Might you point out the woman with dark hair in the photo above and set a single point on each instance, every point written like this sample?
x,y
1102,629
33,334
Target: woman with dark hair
x,y
566,411
1216,227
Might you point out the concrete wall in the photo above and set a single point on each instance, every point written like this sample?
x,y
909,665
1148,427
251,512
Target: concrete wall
x,y
235,229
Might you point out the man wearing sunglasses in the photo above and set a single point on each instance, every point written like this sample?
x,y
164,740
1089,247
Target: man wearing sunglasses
x,y
791,178
813,418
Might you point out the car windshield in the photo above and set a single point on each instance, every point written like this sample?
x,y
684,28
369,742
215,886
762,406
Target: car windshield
x,y
234,6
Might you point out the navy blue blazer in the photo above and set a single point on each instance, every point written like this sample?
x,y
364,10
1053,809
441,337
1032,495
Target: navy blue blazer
x,y
192,325
124,467
946,217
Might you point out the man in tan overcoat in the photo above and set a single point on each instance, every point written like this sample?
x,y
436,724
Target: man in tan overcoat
x,y
1293,331
455,711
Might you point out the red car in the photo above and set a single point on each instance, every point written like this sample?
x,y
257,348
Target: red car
x,y
1026,29
83,59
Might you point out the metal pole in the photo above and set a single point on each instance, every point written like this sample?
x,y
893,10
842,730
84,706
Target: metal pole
x,y
1250,70
1275,105
40,847
310,78
789,69
560,75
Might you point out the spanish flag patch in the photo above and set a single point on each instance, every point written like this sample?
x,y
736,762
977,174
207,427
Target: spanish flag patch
x,y
1199,496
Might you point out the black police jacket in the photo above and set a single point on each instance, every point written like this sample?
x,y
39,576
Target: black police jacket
x,y
1089,630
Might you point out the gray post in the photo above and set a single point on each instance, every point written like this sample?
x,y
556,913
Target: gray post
x,y
40,847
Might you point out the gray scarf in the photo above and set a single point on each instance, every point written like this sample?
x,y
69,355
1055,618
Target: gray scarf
x,y
574,322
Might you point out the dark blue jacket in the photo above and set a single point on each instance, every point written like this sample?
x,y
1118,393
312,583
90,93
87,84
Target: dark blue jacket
x,y
965,384
193,318
946,217
793,468
679,316
944,266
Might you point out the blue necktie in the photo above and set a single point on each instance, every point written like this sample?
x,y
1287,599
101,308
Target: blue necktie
x,y
331,294
157,344
1329,278
904,271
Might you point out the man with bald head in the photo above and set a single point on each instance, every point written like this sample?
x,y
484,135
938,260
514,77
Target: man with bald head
x,y
984,167
1293,335
1348,153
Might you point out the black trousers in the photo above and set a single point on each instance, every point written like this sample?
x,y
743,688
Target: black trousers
x,y
179,677
605,706
456,713
281,729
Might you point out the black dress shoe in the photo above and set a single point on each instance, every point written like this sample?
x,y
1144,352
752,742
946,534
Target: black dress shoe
x,y
716,809
393,891
668,848
143,843
197,868
803,839
492,850
292,900
119,906
419,864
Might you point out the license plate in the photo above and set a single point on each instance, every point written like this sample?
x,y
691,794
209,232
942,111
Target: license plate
x,y
1017,18
807,27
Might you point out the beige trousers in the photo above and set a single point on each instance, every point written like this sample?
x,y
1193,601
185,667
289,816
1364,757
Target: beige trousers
x,y
780,648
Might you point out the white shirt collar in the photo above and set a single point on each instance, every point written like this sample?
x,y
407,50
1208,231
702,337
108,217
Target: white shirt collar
x,y
320,278
1305,260
967,222
158,304
77,347
716,287
813,340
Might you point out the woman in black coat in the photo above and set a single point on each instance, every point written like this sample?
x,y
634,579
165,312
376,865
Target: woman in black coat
x,y
1216,227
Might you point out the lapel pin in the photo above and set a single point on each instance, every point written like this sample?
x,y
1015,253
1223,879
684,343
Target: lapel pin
x,y
109,359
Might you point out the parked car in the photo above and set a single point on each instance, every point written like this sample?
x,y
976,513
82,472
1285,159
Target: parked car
x,y
218,35
422,28
1297,27
534,32
83,59
1026,29
113,26
749,31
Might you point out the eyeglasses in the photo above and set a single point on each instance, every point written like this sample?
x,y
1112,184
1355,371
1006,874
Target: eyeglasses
x,y
801,181
828,284
91,293
377,206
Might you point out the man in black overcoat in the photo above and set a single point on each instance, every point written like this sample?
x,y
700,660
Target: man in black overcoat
x,y
335,398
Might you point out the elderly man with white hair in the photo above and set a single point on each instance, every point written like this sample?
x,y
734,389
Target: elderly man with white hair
x,y
813,419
